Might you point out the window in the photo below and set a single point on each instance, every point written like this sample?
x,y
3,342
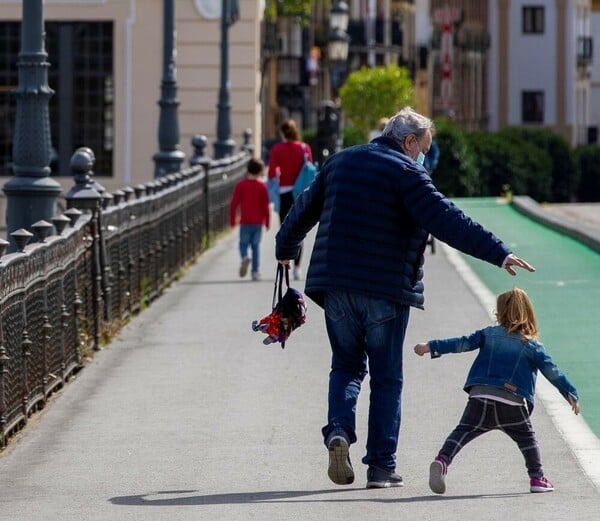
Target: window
x,y
82,107
9,50
532,109
533,20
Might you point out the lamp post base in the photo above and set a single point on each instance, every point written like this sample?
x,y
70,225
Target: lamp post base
x,y
29,200
224,148
166,163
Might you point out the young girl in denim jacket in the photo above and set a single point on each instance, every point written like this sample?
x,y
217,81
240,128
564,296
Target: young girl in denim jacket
x,y
501,385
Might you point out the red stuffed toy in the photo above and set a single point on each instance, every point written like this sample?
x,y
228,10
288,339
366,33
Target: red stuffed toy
x,y
287,315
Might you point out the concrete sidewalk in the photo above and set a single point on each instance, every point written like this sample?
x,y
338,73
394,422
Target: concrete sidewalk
x,y
187,415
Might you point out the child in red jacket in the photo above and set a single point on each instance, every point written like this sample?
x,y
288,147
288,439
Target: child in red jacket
x,y
250,195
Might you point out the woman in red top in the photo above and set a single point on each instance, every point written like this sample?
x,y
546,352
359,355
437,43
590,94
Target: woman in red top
x,y
285,162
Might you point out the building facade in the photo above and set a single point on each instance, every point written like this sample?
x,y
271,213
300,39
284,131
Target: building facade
x,y
106,63
594,129
500,63
459,62
540,58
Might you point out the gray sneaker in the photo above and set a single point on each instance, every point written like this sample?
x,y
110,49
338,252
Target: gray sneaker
x,y
437,475
382,478
340,468
244,266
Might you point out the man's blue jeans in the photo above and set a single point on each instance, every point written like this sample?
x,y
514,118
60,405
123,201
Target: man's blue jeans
x,y
366,334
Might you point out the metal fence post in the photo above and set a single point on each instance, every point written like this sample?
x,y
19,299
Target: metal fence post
x,y
199,143
84,196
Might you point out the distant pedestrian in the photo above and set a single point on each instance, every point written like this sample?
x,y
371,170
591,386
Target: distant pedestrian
x,y
250,195
501,386
285,162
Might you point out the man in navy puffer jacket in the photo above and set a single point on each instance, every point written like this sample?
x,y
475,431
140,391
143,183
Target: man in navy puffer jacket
x,y
375,205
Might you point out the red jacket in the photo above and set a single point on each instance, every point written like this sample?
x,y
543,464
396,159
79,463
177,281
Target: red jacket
x,y
286,160
252,197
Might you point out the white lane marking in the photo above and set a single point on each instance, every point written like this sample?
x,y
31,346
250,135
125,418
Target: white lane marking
x,y
584,444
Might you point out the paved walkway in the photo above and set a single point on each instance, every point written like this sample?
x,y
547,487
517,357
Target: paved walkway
x,y
187,416
584,213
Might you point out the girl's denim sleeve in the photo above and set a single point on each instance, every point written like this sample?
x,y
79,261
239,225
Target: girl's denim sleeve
x,y
458,344
553,374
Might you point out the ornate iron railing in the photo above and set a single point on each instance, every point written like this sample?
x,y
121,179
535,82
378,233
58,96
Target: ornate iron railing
x,y
109,256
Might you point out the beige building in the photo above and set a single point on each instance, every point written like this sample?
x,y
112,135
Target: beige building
x,y
593,133
459,62
500,63
540,58
106,63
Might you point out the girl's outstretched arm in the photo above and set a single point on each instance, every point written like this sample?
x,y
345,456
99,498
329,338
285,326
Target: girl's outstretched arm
x,y
421,349
574,404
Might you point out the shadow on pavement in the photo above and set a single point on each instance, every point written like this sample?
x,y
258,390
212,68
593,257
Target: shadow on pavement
x,y
154,499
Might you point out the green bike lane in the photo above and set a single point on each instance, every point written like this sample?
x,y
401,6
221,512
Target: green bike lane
x,y
565,290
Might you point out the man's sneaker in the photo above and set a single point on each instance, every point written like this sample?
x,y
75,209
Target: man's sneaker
x,y
244,266
297,273
382,478
437,475
256,275
540,485
340,469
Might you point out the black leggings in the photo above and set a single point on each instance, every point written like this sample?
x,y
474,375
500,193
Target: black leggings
x,y
484,415
286,201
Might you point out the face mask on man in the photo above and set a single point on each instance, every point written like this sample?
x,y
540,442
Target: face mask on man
x,y
420,157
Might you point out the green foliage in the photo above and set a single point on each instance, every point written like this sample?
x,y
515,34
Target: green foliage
x,y
587,160
456,173
352,136
504,165
564,174
299,8
309,136
372,93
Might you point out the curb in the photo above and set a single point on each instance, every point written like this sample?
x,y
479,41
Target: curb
x,y
581,232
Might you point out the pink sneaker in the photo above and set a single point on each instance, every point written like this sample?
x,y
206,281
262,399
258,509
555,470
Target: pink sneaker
x,y
540,485
437,475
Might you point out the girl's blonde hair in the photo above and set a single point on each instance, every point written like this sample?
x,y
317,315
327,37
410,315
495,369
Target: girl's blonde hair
x,y
515,312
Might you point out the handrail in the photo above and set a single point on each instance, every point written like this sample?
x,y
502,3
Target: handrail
x,y
64,295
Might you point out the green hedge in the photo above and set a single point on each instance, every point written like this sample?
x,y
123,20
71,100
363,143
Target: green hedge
x,y
523,161
504,166
565,179
456,174
587,160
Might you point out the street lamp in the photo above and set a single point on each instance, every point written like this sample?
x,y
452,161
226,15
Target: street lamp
x,y
339,15
224,145
338,44
169,157
31,193
329,131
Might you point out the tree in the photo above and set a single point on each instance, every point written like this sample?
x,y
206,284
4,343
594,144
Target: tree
x,y
300,8
372,93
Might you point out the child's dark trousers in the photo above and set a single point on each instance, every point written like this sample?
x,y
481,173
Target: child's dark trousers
x,y
483,415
